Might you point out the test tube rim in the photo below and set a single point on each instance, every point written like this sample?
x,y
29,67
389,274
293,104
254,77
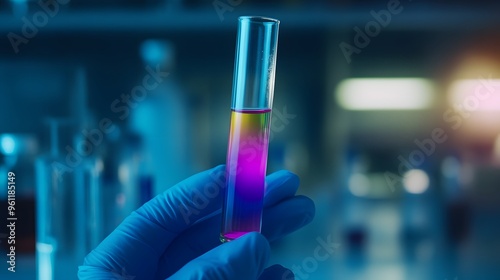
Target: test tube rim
x,y
259,19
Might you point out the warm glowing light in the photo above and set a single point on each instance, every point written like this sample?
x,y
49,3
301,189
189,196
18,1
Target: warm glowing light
x,y
475,94
416,181
385,94
359,184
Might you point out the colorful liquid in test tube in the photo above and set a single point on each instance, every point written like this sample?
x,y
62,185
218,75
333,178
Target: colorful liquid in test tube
x,y
253,90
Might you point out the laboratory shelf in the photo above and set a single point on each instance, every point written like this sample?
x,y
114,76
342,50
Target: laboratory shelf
x,y
418,17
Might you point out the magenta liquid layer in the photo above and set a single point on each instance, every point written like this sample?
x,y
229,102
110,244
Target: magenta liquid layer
x,y
245,172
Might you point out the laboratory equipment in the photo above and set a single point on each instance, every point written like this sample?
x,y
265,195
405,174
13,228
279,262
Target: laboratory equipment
x,y
17,152
252,98
54,211
68,203
166,100
127,182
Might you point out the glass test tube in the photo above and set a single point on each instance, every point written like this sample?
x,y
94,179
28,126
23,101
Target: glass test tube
x,y
55,227
253,89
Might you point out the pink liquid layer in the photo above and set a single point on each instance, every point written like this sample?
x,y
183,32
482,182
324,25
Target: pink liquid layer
x,y
245,172
232,235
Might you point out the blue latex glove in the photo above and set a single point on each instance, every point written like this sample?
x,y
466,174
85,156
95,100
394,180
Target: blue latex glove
x,y
176,234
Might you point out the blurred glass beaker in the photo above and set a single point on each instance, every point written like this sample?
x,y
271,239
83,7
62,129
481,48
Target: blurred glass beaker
x,y
68,204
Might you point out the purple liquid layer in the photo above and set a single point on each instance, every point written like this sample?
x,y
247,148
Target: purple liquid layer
x,y
245,172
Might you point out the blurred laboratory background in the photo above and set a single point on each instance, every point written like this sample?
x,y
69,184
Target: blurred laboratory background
x,y
388,110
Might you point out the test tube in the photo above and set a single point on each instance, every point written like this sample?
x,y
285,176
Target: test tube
x,y
252,98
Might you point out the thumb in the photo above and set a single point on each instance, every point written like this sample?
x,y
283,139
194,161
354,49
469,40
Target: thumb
x,y
243,258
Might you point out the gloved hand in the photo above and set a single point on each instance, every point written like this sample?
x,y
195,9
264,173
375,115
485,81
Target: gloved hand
x,y
176,234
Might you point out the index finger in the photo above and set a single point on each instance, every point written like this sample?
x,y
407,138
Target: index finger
x,y
148,231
